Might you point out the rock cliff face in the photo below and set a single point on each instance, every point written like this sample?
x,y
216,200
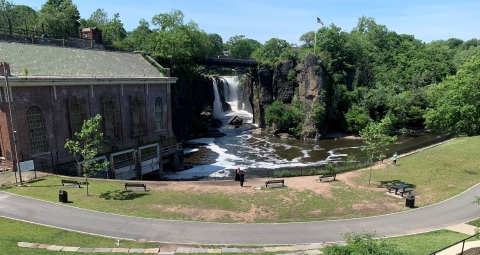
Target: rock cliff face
x,y
189,101
267,84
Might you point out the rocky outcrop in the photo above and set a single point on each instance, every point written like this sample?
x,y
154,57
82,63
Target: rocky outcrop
x,y
188,102
235,120
267,84
311,80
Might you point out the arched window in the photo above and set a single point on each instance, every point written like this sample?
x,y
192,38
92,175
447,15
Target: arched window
x,y
36,129
158,114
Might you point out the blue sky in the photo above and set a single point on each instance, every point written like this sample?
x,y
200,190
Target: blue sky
x,y
261,20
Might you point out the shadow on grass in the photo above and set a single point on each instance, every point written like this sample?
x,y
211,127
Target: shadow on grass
x,y
122,195
389,183
34,180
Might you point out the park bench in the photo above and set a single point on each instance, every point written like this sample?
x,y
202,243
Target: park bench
x,y
408,192
70,182
274,182
328,176
398,187
142,185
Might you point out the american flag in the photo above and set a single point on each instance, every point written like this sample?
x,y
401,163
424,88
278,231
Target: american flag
x,y
319,21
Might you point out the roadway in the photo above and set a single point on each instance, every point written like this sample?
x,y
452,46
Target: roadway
x,y
438,216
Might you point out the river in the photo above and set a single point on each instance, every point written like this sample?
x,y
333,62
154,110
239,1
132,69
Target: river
x,y
219,157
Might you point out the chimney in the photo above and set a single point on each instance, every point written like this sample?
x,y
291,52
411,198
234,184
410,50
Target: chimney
x,y
4,69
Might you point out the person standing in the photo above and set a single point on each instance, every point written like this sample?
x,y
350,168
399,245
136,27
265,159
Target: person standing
x,y
395,156
242,178
237,174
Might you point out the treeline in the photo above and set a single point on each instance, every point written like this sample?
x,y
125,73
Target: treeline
x,y
371,72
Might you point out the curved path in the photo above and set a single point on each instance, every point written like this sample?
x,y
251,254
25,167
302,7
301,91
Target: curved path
x,y
445,214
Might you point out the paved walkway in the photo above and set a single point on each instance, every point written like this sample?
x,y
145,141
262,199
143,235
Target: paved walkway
x,y
311,249
439,216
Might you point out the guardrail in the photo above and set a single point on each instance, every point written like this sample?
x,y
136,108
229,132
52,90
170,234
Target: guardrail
x,y
455,251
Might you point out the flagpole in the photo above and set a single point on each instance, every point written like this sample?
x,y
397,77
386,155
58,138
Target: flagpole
x,y
315,43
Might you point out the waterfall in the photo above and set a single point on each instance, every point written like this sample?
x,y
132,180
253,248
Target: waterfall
x,y
230,89
217,104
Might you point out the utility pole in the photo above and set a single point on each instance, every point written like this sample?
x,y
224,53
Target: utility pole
x,y
15,141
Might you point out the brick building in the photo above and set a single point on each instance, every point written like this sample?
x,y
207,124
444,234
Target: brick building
x,y
49,91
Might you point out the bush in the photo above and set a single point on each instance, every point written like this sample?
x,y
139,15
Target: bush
x,y
362,244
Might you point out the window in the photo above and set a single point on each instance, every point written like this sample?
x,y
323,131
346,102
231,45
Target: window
x,y
77,115
158,114
111,118
36,129
137,111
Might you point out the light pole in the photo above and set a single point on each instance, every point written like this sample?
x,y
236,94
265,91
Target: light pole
x,y
15,141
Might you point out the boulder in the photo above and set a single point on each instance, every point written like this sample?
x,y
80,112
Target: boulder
x,y
235,120
285,136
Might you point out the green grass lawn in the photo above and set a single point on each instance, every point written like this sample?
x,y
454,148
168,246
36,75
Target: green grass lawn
x,y
437,173
16,231
13,231
426,243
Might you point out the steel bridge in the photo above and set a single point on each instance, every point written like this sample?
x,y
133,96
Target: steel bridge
x,y
239,64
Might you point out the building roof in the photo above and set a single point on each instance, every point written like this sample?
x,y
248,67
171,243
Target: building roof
x,y
41,60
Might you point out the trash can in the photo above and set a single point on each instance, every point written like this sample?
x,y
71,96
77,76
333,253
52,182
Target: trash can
x,y
62,196
410,202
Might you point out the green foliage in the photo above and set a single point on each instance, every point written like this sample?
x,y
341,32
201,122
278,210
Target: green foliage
x,y
455,101
292,75
86,147
289,119
113,30
377,137
308,39
217,43
60,17
330,169
176,43
363,244
357,118
318,114
273,50
242,47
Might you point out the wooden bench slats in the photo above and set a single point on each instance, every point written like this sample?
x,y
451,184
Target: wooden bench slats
x,y
274,182
135,185
71,182
328,176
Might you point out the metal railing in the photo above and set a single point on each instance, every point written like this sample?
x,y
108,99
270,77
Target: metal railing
x,y
459,251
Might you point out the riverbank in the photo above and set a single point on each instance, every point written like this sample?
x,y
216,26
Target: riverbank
x,y
339,135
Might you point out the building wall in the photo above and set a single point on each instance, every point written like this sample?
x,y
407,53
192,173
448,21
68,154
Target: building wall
x,y
57,122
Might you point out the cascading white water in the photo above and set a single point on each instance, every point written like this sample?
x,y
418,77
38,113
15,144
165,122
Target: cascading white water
x,y
217,104
231,90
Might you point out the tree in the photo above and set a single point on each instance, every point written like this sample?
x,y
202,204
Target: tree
x,y
177,44
5,12
60,17
377,137
21,14
86,147
99,17
455,102
285,118
271,51
113,30
308,39
217,42
242,47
